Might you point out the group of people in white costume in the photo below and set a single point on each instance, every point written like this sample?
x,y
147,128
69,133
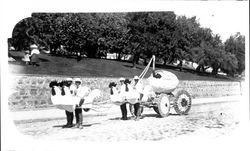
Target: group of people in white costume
x,y
71,96
127,92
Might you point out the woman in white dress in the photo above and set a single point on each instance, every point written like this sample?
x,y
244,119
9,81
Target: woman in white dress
x,y
34,58
26,57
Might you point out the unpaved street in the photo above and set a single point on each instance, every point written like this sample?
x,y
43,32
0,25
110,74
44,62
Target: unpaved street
x,y
207,120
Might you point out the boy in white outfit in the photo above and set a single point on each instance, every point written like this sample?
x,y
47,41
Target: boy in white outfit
x,y
68,90
122,94
80,91
138,88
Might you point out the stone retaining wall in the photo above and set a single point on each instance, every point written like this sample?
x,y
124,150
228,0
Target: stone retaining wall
x,y
30,92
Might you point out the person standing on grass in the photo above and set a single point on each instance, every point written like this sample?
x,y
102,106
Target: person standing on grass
x,y
34,55
79,57
81,92
26,57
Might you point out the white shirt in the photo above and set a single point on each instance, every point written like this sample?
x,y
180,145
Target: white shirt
x,y
26,57
67,91
115,97
122,88
115,91
57,90
72,88
82,91
34,51
138,87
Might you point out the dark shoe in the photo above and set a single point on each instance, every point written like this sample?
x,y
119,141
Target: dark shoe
x,y
68,126
65,126
124,118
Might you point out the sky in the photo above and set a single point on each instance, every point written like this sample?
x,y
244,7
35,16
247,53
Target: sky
x,y
223,17
225,20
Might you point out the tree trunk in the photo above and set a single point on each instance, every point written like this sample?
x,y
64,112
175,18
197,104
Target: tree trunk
x,y
171,60
119,57
134,63
145,62
135,60
215,71
203,68
180,65
200,68
165,61
136,55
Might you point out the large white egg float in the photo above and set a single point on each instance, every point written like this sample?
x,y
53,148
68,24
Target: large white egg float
x,y
163,81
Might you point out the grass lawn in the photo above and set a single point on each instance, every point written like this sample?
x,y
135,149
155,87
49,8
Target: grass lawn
x,y
88,67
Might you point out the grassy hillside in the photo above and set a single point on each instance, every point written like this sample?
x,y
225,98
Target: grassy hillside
x,y
53,65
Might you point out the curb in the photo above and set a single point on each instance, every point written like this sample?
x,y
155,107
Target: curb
x,y
226,99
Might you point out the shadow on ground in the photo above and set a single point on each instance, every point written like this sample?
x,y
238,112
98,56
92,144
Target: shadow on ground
x,y
84,125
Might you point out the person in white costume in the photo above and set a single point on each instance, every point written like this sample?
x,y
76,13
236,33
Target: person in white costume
x,y
122,91
55,90
123,95
81,92
72,86
127,91
69,89
114,94
122,85
138,91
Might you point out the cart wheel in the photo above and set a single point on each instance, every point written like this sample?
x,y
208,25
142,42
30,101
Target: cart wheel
x,y
132,110
156,109
163,105
182,102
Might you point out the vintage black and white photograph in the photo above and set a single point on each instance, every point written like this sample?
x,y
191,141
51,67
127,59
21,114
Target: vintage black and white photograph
x,y
150,73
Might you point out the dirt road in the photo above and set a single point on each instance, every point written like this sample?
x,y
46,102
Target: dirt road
x,y
207,120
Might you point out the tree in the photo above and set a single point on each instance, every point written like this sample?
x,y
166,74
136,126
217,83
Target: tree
x,y
230,64
150,33
186,38
112,32
24,33
236,46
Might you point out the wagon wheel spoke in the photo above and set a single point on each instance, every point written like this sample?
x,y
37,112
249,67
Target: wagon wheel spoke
x,y
182,102
163,105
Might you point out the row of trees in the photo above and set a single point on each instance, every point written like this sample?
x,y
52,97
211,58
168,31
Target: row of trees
x,y
140,34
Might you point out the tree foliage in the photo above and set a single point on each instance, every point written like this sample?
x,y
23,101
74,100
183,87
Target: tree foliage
x,y
140,34
235,45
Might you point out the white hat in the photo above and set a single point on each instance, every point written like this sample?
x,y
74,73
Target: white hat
x,y
69,79
33,46
122,79
136,78
78,80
